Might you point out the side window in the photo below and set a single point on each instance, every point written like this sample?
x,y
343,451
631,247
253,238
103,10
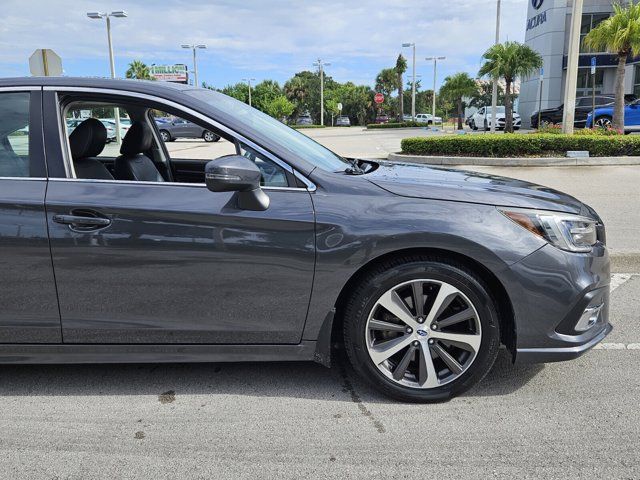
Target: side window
x,y
603,101
273,175
14,134
481,111
188,143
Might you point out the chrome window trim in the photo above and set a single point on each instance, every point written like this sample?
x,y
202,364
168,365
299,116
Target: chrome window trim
x,y
158,184
310,186
23,178
20,88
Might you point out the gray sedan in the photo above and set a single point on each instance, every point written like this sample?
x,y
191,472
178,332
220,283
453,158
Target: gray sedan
x,y
180,128
281,251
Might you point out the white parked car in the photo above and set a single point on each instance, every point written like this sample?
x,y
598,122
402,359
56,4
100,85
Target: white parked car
x,y
428,119
482,119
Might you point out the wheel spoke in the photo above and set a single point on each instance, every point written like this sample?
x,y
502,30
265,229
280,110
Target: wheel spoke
x,y
445,296
466,341
382,351
427,376
465,314
449,361
392,302
418,298
401,368
386,326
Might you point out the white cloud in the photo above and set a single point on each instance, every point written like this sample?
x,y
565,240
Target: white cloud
x,y
277,36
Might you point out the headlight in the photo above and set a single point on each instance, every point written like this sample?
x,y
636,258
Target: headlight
x,y
573,233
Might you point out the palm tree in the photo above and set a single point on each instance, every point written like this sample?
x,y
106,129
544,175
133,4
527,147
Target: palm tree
x,y
401,67
138,70
457,87
619,34
509,61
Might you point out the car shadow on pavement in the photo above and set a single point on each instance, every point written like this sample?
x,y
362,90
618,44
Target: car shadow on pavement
x,y
294,380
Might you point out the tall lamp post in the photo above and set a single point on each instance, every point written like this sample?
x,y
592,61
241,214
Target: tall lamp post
x,y
321,64
435,70
413,82
494,91
249,80
571,82
193,48
107,17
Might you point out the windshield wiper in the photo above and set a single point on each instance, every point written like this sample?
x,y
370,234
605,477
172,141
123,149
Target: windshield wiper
x,y
354,169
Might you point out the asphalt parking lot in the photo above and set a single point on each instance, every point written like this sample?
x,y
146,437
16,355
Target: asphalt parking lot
x,y
577,419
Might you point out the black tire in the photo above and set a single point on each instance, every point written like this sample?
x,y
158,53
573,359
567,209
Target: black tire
x,y
209,136
603,121
165,136
473,125
385,276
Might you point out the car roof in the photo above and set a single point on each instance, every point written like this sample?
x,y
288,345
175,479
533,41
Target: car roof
x,y
146,86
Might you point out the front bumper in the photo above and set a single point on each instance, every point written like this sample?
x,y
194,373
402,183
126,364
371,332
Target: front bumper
x,y
553,293
560,354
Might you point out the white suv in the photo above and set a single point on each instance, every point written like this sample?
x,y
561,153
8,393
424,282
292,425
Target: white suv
x,y
482,119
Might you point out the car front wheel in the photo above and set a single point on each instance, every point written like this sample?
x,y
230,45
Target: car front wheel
x,y
421,329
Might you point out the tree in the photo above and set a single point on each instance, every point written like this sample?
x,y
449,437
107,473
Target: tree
x,y
619,34
455,88
296,90
401,67
509,60
386,82
280,107
138,70
264,93
483,96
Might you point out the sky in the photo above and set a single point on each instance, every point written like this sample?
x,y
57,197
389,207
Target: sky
x,y
261,39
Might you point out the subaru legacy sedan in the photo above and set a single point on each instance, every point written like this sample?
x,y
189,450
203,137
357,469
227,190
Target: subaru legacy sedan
x,y
277,249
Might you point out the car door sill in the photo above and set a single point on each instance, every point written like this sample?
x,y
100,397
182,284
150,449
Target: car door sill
x,y
118,353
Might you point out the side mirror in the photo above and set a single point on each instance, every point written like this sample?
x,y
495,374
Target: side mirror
x,y
235,173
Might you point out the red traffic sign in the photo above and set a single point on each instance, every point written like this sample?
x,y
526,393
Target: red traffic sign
x,y
378,98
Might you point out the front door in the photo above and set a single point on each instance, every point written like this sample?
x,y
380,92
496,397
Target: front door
x,y
172,262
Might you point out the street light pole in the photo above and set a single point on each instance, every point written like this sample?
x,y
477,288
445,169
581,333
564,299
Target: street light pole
x,y
195,63
435,70
249,80
320,64
112,66
494,91
571,82
413,84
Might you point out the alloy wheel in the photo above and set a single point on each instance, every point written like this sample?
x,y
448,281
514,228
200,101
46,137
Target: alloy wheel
x,y
208,137
603,122
423,333
164,136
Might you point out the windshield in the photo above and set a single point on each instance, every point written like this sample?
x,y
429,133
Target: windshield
x,y
288,138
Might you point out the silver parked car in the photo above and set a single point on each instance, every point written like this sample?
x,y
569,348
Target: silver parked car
x,y
343,121
181,128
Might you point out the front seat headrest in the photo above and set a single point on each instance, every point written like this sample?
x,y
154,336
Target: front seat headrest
x,y
138,139
88,139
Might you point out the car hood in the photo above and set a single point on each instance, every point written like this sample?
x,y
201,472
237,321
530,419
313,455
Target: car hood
x,y
422,181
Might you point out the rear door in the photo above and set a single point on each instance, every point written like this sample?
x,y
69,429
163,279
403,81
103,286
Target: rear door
x,y
28,304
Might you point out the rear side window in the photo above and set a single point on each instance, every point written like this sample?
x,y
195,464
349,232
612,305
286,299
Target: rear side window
x,y
14,134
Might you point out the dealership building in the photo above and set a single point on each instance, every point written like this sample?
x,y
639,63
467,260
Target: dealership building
x,y
547,31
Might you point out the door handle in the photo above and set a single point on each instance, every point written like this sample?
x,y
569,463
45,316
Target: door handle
x,y
85,221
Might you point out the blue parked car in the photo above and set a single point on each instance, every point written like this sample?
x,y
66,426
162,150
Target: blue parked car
x,y
604,117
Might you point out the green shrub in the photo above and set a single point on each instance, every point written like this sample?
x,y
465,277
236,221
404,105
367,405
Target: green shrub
x,y
298,127
552,128
604,132
514,145
396,125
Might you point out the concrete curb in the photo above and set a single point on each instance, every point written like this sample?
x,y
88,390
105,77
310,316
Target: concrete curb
x,y
514,162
